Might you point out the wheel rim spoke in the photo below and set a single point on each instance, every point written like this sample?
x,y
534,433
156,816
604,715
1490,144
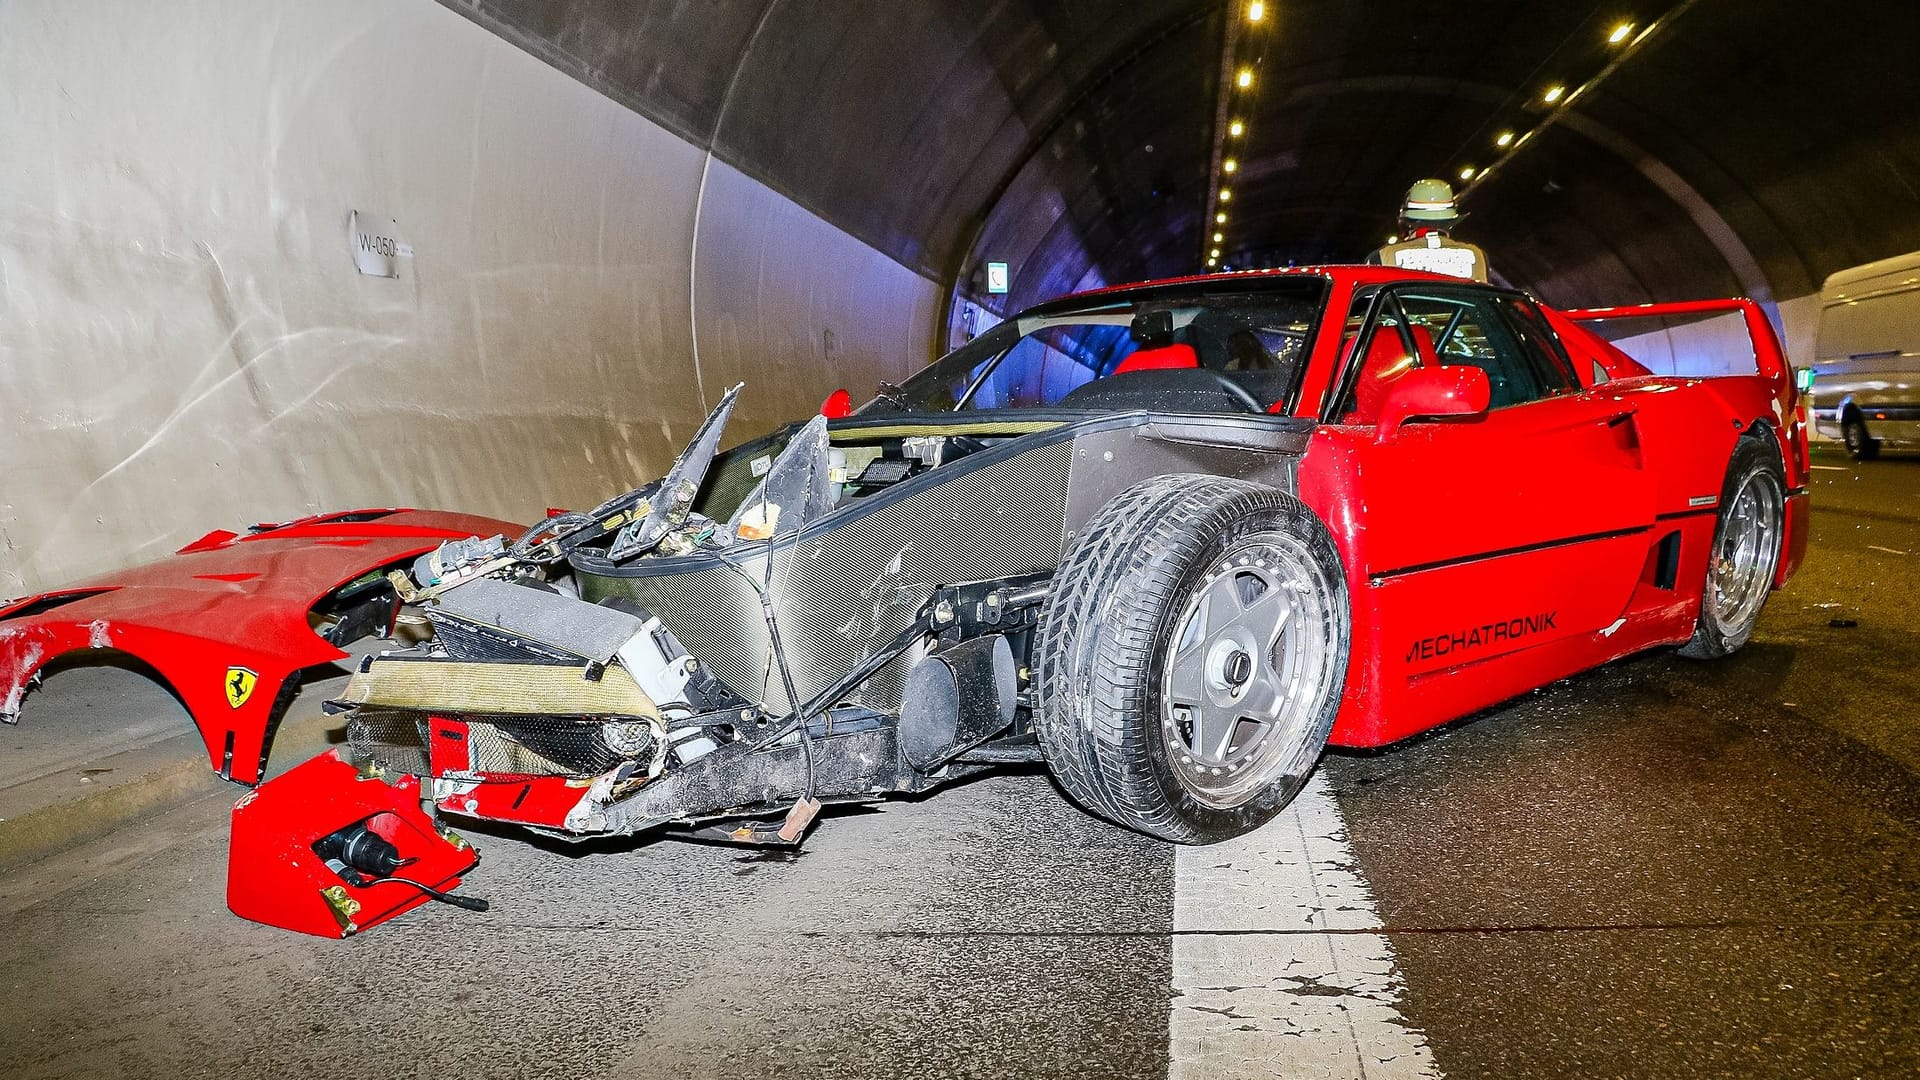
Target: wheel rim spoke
x,y
1264,617
1243,679
1186,683
1746,551
1263,700
1214,738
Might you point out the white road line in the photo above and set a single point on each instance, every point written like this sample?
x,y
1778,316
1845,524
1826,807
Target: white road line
x,y
1890,551
1830,468
1284,1003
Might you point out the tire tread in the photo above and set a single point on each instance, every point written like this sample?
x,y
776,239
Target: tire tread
x,y
1099,633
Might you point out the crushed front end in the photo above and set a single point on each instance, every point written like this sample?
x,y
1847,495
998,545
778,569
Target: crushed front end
x,y
722,666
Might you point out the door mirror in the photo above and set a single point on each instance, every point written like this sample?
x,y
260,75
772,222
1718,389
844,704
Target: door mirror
x,y
1434,393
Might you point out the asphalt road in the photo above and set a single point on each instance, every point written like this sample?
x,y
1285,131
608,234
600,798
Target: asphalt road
x,y
1664,868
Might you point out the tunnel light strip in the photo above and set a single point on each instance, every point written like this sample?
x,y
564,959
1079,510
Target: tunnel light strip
x,y
1238,81
1564,101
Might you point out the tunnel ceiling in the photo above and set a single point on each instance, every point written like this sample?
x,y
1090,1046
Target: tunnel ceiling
x,y
1744,145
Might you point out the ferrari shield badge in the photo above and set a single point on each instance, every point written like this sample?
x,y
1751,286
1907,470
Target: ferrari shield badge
x,y
240,682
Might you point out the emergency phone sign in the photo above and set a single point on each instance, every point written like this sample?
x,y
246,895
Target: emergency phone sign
x,y
997,278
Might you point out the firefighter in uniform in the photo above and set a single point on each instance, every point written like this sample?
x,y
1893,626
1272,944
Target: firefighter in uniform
x,y
1426,218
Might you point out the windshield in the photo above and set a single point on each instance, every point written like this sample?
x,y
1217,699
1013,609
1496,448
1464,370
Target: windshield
x,y
1241,352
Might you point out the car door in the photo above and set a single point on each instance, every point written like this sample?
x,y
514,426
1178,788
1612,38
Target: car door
x,y
1489,536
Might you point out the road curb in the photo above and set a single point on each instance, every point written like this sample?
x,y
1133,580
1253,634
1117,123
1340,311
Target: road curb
x,y
68,823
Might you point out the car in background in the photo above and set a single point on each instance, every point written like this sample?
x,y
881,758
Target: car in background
x,y
1864,382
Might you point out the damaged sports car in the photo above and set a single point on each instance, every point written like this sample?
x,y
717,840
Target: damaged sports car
x,y
1171,540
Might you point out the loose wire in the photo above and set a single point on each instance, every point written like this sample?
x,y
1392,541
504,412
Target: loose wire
x,y
798,707
471,903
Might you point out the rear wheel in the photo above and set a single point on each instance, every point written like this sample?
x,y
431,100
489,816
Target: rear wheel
x,y
1746,550
1192,657
1860,442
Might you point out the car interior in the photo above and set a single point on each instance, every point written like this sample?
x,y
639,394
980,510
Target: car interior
x,y
1197,359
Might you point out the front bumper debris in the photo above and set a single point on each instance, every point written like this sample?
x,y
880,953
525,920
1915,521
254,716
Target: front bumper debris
x,y
327,850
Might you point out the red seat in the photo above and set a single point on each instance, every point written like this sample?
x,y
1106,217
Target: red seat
x,y
1386,361
1165,356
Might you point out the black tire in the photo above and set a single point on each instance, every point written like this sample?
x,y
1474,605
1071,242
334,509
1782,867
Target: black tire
x,y
1860,442
1144,570
1746,549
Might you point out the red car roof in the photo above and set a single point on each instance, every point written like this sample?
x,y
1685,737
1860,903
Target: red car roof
x,y
1358,274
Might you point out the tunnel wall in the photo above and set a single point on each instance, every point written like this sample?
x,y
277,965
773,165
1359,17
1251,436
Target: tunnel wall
x,y
185,343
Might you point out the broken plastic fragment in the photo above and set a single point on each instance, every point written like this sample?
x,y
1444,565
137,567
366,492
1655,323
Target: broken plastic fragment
x,y
447,561
797,489
675,497
759,521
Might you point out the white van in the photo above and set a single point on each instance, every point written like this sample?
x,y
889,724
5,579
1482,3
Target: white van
x,y
1864,383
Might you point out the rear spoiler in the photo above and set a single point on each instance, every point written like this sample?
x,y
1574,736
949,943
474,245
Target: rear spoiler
x,y
1768,358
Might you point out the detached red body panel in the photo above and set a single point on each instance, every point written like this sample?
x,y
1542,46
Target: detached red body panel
x,y
224,622
275,876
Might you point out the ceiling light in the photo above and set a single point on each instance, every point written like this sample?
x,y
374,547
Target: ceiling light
x,y
1505,139
1225,194
1219,236
1211,262
1219,219
1215,253
1620,33
1256,11
1555,94
1393,238
1245,78
1236,129
1229,165
1466,173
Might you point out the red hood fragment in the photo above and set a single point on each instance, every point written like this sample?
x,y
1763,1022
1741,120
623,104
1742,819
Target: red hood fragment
x,y
224,621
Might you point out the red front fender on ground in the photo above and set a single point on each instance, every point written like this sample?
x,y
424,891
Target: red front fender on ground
x,y
225,622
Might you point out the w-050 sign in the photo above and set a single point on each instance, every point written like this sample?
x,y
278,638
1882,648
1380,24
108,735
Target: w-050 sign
x,y
377,247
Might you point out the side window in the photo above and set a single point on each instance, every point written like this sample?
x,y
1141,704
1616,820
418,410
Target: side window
x,y
1542,347
1350,329
1468,329
1390,352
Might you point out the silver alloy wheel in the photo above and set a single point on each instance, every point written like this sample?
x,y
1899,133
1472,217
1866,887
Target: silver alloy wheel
x,y
1246,671
1746,551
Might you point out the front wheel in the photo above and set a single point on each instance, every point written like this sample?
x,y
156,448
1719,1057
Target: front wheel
x,y
1746,550
1192,656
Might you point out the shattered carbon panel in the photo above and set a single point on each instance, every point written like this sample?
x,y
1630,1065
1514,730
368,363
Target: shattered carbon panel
x,y
842,593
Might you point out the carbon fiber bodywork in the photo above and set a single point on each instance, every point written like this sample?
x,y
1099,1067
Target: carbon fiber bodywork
x,y
852,581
